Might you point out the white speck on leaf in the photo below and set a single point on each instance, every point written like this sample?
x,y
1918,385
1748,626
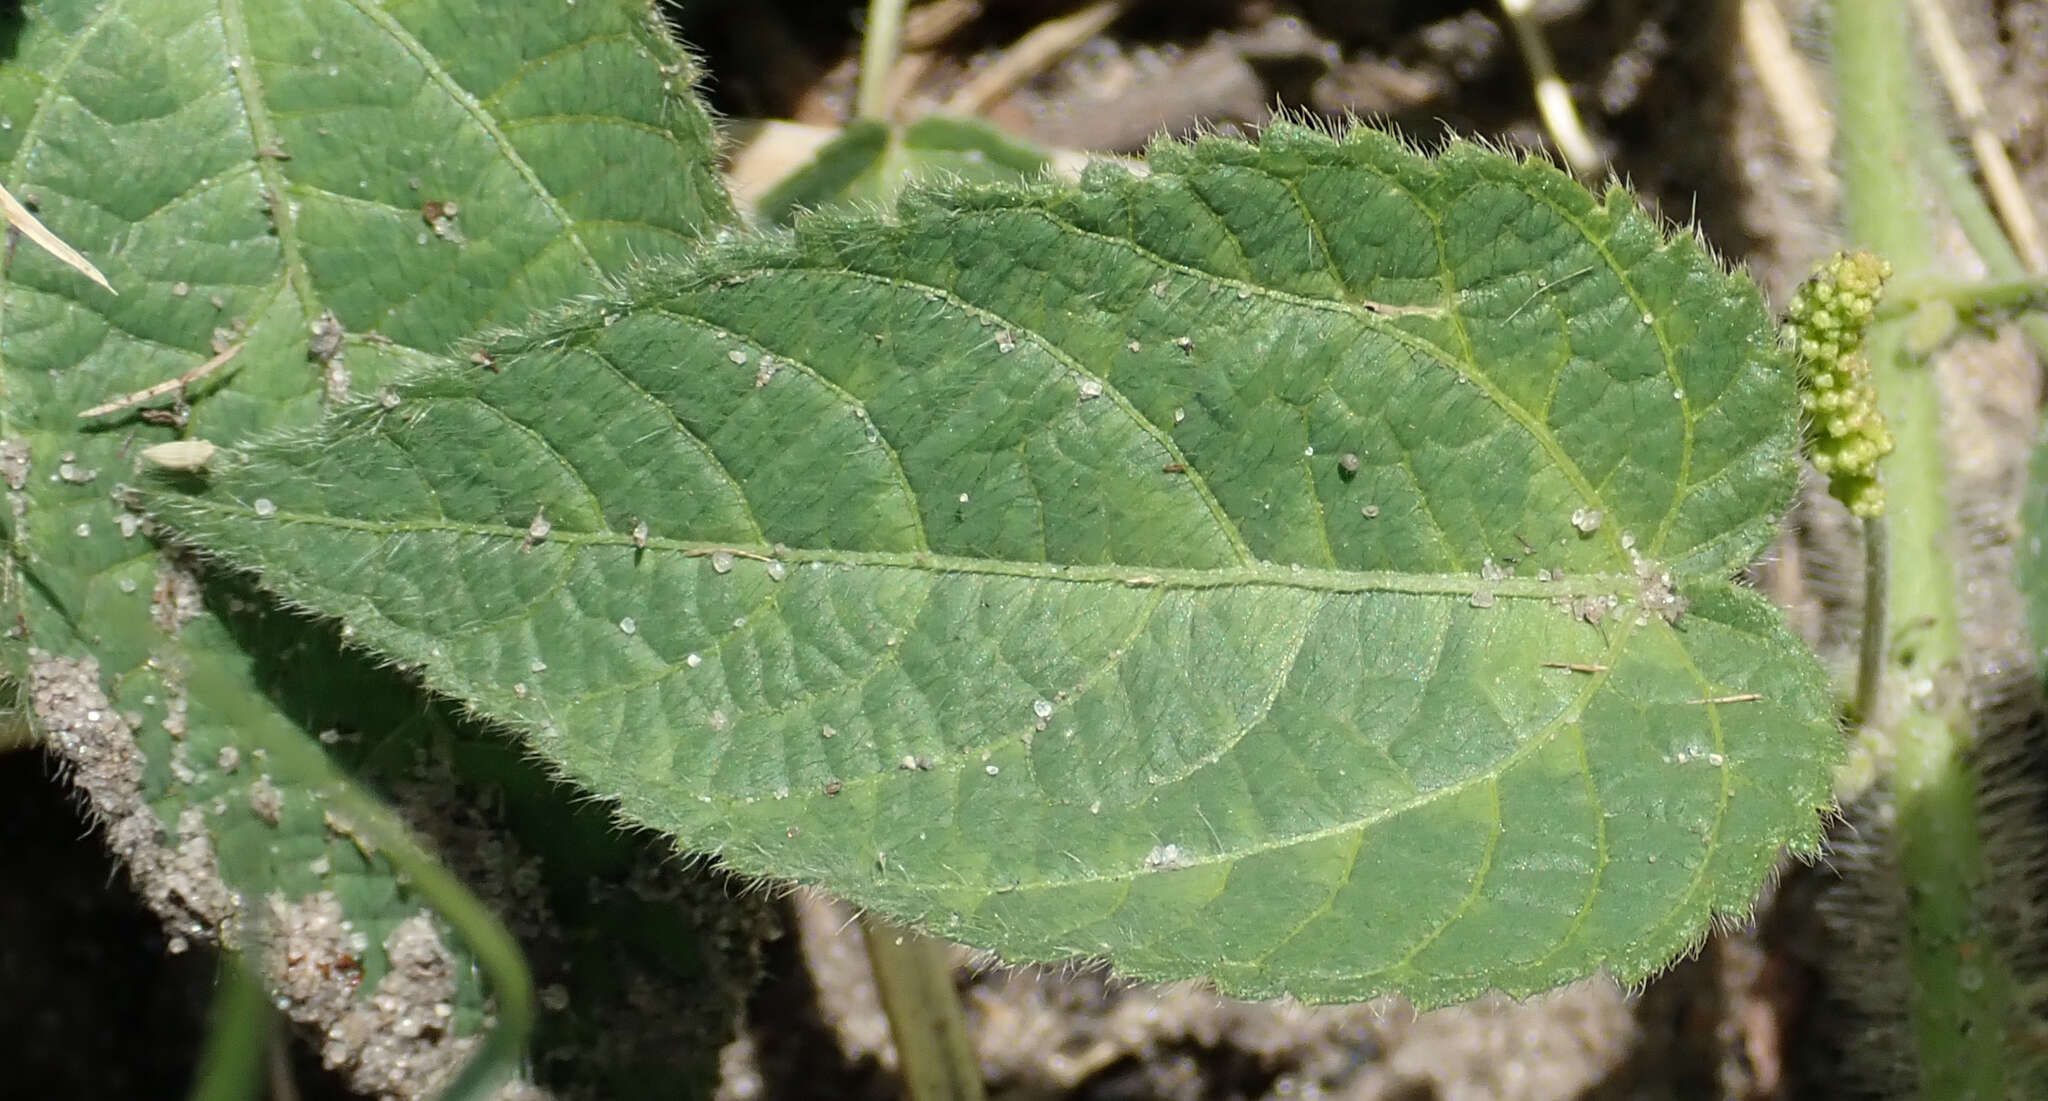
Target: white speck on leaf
x,y
777,570
1167,857
694,660
627,625
1587,520
738,357
1090,389
721,561
264,507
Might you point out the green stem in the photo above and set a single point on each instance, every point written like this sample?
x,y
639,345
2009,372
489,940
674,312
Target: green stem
x,y
916,983
1995,297
231,1065
1876,613
1957,988
1980,226
879,46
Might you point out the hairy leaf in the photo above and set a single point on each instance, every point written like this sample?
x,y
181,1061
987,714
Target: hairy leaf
x,y
1307,567
327,190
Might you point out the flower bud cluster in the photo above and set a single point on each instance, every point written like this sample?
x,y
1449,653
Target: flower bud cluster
x,y
1845,434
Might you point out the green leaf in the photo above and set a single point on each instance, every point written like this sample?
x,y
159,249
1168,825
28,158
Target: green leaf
x,y
872,161
336,190
1177,570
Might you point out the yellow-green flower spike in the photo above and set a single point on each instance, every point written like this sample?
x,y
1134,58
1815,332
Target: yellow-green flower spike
x,y
1825,327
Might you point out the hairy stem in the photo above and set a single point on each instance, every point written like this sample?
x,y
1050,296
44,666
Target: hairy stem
x,y
1956,986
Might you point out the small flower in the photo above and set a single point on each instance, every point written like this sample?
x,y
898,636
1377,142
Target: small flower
x,y
1825,328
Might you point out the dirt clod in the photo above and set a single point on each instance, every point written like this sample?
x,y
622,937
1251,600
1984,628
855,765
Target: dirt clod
x,y
176,875
395,1044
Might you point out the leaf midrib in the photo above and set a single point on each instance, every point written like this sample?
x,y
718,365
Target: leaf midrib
x,y
1254,575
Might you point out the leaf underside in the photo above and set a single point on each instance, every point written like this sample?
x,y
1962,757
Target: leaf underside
x,y
871,161
338,189
1175,570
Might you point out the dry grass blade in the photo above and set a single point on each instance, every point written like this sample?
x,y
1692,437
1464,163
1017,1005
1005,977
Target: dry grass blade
x,y
19,217
1794,96
2003,183
164,387
1047,43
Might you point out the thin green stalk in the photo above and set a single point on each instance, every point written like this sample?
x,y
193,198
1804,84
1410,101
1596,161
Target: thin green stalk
x,y
1870,648
231,1064
879,46
1994,297
1980,226
1957,986
916,983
